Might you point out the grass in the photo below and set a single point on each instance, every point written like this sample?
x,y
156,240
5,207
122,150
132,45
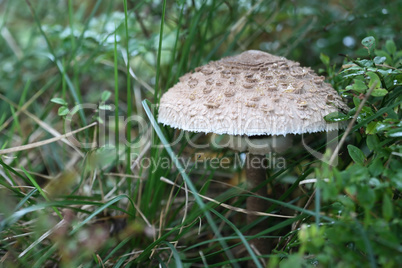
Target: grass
x,y
103,198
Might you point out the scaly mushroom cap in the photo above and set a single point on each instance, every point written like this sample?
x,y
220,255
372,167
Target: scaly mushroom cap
x,y
254,93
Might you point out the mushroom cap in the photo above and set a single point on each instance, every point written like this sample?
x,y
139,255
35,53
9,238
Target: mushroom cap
x,y
253,93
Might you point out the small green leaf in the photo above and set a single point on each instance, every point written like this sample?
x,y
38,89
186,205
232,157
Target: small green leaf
x,y
105,95
382,53
387,209
394,133
371,128
105,107
359,86
398,54
364,113
350,87
357,73
374,78
356,102
59,101
390,46
365,63
372,142
366,196
379,60
336,117
376,167
369,44
63,110
374,183
324,58
379,92
356,154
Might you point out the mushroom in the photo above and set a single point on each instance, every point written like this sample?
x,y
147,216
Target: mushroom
x,y
251,97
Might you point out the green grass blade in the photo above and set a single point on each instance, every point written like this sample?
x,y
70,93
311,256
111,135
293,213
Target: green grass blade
x,y
99,210
188,181
158,63
367,244
116,99
25,199
86,25
176,255
33,181
39,263
129,98
317,206
71,23
54,58
241,236
119,246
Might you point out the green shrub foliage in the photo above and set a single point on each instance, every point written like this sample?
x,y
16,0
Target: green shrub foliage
x,y
363,194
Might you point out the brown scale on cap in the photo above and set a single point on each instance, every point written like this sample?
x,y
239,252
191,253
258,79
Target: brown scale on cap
x,y
252,84
209,81
232,80
225,74
230,92
192,82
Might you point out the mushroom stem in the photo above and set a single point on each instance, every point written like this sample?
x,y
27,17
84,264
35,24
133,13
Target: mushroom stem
x,y
256,175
